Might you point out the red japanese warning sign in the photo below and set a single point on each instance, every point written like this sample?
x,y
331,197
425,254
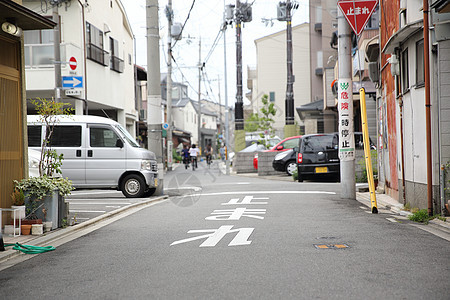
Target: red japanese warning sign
x,y
73,63
357,13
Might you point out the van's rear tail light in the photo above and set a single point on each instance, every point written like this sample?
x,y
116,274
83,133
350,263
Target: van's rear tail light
x,y
299,158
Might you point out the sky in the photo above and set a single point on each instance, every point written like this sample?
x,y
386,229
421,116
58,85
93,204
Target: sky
x,y
204,23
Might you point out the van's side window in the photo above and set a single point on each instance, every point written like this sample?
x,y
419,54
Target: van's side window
x,y
34,135
102,137
66,136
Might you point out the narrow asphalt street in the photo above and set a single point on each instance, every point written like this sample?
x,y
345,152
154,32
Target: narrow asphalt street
x,y
230,237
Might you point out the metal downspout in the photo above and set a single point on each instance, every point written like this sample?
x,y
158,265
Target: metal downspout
x,y
426,55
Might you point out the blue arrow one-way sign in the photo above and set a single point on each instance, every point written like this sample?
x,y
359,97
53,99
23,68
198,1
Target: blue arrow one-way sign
x,y
72,81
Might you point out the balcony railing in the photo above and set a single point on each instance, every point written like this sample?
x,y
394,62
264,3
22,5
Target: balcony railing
x,y
116,64
42,55
97,54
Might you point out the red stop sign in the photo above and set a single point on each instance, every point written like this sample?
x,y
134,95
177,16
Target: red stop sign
x,y
73,63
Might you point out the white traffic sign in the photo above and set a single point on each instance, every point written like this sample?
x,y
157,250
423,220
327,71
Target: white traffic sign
x,y
73,92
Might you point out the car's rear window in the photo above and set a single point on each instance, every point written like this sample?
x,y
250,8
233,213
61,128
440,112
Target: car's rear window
x,y
319,143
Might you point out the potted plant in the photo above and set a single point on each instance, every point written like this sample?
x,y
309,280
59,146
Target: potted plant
x,y
44,194
18,201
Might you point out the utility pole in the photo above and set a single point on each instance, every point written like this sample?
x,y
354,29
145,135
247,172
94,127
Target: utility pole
x,y
289,128
239,133
227,134
345,108
243,14
154,114
200,67
57,51
169,14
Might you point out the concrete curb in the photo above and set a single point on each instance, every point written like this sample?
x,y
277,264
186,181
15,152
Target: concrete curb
x,y
64,232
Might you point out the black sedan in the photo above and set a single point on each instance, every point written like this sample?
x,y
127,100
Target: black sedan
x,y
285,162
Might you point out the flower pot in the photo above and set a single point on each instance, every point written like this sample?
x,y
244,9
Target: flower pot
x,y
9,230
37,229
20,213
26,229
48,226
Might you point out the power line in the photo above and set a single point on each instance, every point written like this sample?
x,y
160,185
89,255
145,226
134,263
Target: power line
x,y
184,24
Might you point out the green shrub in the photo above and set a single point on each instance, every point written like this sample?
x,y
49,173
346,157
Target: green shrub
x,y
176,157
295,175
420,216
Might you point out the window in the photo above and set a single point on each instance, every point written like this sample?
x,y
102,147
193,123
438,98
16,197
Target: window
x,y
272,96
94,37
420,73
34,136
116,63
319,59
38,36
39,50
289,144
65,136
319,143
405,71
102,137
320,126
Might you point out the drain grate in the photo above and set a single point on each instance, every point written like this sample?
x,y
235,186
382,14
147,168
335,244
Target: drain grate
x,y
331,246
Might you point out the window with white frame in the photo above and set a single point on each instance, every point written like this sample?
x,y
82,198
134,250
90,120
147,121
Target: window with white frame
x,y
420,73
405,70
116,63
94,46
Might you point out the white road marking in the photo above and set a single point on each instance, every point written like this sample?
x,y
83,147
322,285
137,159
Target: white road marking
x,y
393,220
260,192
87,211
98,203
213,236
363,207
112,206
96,193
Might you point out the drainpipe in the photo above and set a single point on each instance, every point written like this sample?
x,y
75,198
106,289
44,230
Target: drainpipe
x,y
86,110
398,86
426,55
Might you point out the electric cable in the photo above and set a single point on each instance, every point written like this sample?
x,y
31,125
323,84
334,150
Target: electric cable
x,y
184,24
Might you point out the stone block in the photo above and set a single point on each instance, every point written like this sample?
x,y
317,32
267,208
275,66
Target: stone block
x,y
265,160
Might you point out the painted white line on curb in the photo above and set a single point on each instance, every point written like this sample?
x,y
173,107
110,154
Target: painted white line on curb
x,y
393,220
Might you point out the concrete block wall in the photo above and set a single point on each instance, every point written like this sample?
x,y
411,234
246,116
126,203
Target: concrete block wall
x,y
265,160
243,162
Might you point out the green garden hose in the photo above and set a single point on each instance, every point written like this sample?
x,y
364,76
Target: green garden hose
x,y
28,249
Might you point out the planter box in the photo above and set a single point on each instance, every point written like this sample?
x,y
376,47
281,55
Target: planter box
x,y
31,222
55,208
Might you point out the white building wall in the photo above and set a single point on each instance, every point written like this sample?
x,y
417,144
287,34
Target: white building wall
x,y
272,71
106,88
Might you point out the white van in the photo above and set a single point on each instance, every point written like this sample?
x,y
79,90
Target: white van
x,y
99,153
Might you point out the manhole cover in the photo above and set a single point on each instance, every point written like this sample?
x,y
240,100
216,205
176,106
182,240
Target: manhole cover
x,y
331,246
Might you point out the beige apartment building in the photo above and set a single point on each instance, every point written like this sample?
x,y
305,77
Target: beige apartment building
x,y
270,75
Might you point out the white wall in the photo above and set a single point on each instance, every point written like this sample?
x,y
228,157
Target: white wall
x,y
272,71
106,88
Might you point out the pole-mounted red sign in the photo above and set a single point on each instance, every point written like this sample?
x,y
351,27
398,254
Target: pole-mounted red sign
x,y
357,13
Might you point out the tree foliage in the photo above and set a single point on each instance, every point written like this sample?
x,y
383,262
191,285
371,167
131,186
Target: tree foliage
x,y
262,121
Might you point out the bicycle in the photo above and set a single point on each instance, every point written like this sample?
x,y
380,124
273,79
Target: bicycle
x,y
208,160
194,162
